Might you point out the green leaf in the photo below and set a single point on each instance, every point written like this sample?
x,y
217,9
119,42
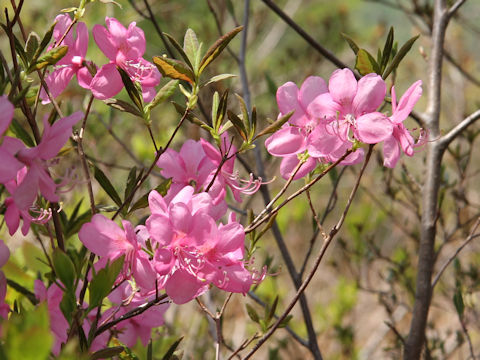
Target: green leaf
x,y
190,116
365,63
276,125
107,353
107,185
68,305
64,268
215,103
133,92
238,124
174,69
50,58
32,44
458,302
284,322
102,282
123,106
143,201
21,133
163,94
351,43
217,78
179,48
217,48
190,45
270,310
399,56
27,335
387,50
130,185
45,41
169,354
252,314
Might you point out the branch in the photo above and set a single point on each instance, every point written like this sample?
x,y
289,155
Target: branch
x,y
470,237
319,258
446,139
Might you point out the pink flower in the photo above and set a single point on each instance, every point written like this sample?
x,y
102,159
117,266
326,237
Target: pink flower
x,y
106,239
138,327
58,324
191,251
72,63
351,107
189,167
401,137
125,48
9,165
37,178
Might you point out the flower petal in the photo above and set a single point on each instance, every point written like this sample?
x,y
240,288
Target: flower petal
x,y
289,164
6,111
407,102
288,140
312,87
391,152
104,41
287,100
107,82
373,128
343,87
370,94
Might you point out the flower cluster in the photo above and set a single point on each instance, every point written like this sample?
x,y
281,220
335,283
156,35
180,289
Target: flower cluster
x,y
327,120
24,171
123,47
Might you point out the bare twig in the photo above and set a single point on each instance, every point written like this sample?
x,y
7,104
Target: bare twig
x,y
319,258
470,237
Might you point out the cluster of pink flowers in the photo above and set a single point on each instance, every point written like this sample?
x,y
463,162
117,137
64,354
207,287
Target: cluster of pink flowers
x,y
24,171
182,249
327,121
123,47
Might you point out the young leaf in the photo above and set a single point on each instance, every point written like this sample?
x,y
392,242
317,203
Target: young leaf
x,y
190,44
270,310
50,58
131,182
190,116
43,44
270,129
107,185
215,103
169,354
179,48
458,302
238,124
68,304
252,314
143,201
399,56
351,43
107,353
285,321
64,268
33,41
387,50
163,94
365,63
134,93
20,133
217,48
173,69
218,78
123,106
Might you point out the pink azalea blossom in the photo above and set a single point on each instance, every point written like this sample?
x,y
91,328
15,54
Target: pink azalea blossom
x,y
401,137
306,130
9,165
73,62
191,251
351,106
138,327
106,239
125,48
35,159
58,324
13,214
